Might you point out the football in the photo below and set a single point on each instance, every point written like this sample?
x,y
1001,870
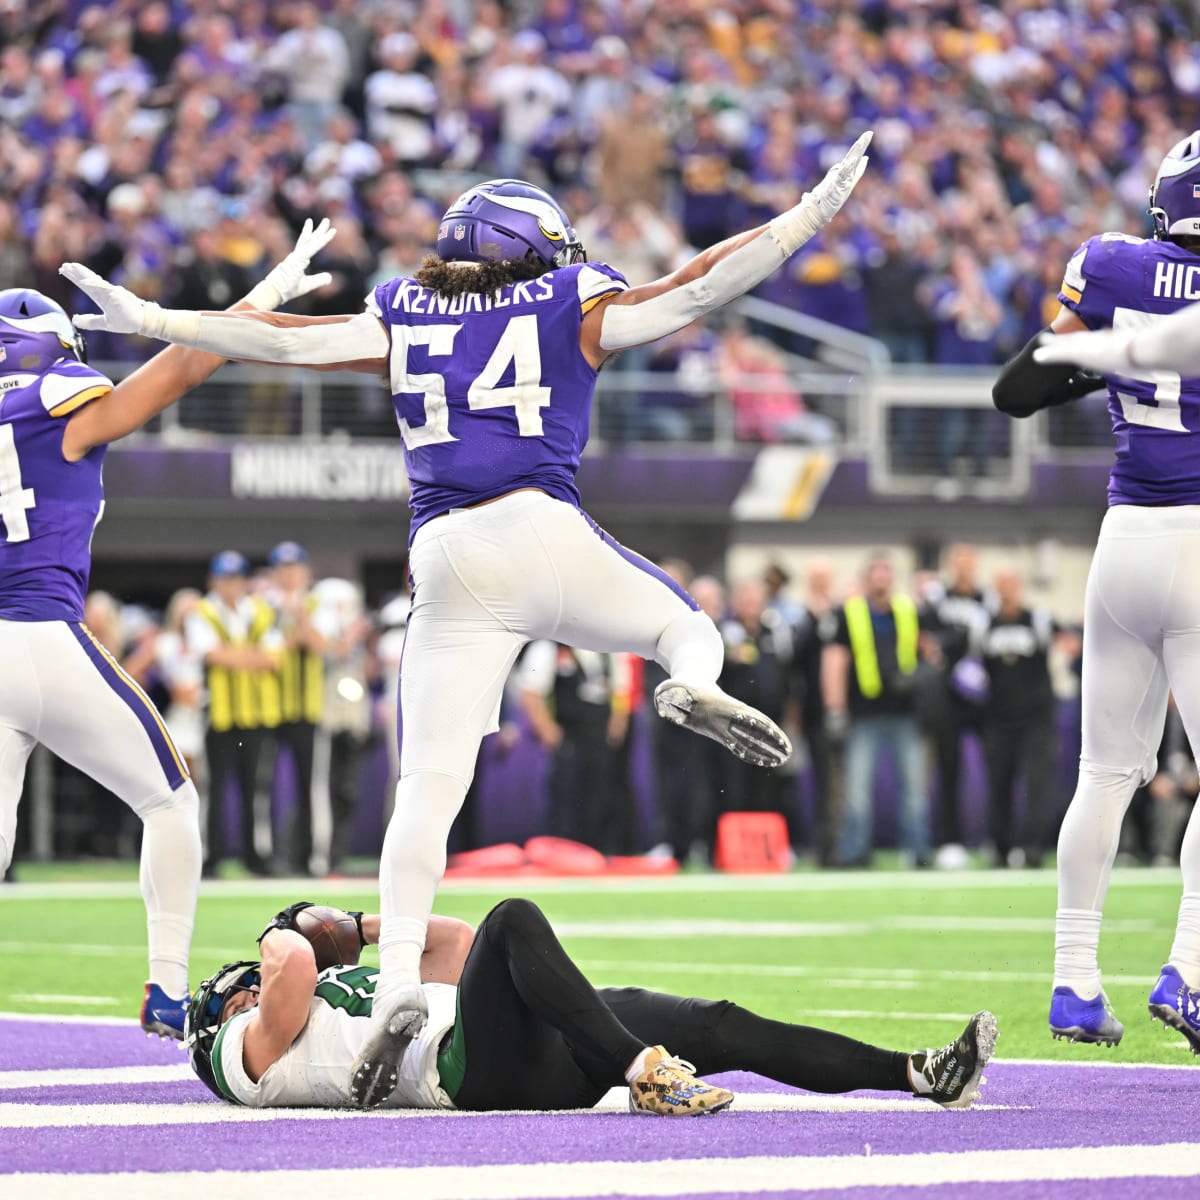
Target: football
x,y
332,934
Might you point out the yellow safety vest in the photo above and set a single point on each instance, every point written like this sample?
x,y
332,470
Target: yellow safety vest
x,y
302,681
862,641
239,698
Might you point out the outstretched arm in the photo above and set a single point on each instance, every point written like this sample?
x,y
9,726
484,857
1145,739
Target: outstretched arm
x,y
721,273
174,372
350,342
1169,344
1026,385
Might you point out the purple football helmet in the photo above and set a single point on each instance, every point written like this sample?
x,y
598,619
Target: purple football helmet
x,y
35,332
508,219
1175,192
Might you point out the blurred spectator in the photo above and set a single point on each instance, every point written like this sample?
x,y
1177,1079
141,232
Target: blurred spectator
x,y
531,96
689,771
954,614
578,707
346,720
401,101
758,662
1020,737
303,627
869,676
812,628
314,60
233,635
182,674
766,405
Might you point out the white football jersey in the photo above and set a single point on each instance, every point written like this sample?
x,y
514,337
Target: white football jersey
x,y
315,1070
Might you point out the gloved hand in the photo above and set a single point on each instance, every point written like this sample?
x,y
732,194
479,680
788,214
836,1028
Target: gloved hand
x,y
818,207
286,918
120,310
1103,351
834,190
288,280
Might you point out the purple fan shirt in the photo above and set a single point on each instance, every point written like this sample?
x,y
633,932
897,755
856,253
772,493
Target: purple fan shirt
x,y
1128,283
48,506
492,392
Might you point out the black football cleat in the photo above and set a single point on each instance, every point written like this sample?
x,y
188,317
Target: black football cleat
x,y
953,1075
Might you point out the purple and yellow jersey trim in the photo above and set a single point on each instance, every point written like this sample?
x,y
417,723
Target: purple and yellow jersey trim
x,y
142,707
66,407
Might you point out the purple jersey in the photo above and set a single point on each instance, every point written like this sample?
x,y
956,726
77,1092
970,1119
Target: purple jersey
x,y
48,506
492,392
1128,282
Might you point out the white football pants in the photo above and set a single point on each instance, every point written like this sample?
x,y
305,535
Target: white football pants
x,y
1141,640
60,687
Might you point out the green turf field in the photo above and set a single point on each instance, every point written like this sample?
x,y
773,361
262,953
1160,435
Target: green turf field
x,y
891,957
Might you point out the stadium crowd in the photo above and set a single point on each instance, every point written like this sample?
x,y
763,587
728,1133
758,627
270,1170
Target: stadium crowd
x,y
172,146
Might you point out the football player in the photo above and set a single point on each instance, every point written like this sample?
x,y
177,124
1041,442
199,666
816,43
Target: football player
x,y
1141,629
491,354
513,1024
58,684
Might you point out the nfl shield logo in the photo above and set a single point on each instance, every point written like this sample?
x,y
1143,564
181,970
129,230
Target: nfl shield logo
x,y
460,232
3,354
1196,191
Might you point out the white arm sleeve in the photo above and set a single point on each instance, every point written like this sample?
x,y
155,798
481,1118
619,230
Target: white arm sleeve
x,y
625,325
1170,344
232,336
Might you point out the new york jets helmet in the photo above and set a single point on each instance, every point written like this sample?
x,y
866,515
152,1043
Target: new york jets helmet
x,y
508,219
1175,192
35,332
203,1020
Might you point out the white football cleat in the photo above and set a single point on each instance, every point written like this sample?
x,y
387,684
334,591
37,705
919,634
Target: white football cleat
x,y
705,709
376,1070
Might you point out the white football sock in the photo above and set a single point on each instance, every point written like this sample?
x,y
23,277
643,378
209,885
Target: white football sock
x,y
1185,952
410,869
691,649
170,881
1076,944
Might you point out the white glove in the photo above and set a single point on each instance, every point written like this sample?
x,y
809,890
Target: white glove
x,y
288,280
120,310
818,207
1104,351
123,312
834,190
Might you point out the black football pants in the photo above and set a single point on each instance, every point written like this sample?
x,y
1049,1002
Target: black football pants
x,y
533,1033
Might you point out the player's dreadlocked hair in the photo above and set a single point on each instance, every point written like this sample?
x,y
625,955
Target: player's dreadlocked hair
x,y
461,279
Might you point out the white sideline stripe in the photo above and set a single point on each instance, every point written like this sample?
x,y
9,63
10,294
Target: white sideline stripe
x,y
71,1077
669,1177
871,1015
811,881
62,998
76,1076
65,1116
67,1018
894,976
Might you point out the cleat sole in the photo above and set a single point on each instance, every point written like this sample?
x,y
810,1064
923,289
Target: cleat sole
x,y
1173,1021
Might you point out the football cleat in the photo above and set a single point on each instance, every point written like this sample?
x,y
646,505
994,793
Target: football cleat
x,y
668,1087
1177,1006
1083,1020
742,730
161,1015
376,1070
953,1075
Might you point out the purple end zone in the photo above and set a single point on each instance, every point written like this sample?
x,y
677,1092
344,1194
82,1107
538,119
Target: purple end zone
x,y
51,1045
1043,1105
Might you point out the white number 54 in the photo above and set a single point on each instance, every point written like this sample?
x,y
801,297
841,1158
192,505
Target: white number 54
x,y
518,345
